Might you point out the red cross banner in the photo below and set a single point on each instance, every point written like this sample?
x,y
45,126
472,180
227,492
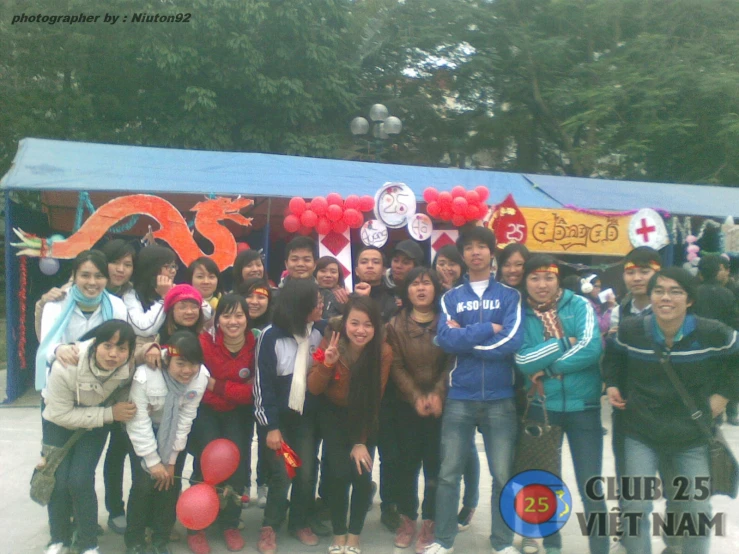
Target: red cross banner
x,y
647,228
339,246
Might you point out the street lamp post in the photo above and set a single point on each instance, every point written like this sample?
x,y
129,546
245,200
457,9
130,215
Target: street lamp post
x,y
384,126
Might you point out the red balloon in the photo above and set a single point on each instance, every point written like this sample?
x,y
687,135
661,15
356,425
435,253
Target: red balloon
x,y
430,194
334,212
339,226
219,460
446,213
433,209
319,205
297,205
323,227
483,209
241,246
334,199
472,213
483,192
353,218
458,220
445,199
291,223
308,219
197,507
459,205
351,202
366,203
472,197
458,192
305,230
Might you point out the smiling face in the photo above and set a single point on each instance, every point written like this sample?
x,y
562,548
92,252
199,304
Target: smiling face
x,y
233,323
448,270
258,304
186,313
359,328
477,256
542,286
669,301
421,292
254,268
90,280
204,281
181,370
328,277
300,264
110,355
511,272
370,267
120,271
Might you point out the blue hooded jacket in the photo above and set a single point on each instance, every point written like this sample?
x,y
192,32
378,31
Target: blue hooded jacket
x,y
483,369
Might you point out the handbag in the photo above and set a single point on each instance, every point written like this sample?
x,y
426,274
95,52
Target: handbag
x,y
539,445
43,479
724,467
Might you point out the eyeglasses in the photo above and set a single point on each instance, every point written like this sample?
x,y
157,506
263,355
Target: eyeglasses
x,y
170,267
671,293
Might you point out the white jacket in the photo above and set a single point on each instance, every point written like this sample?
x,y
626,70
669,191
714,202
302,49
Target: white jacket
x,y
146,323
148,392
74,393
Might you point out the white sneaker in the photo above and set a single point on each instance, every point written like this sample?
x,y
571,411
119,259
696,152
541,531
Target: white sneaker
x,y
507,550
529,546
56,548
262,496
436,548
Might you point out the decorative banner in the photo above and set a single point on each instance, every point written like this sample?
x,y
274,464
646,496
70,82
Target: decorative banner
x,y
647,228
173,228
440,239
508,223
339,246
374,233
570,232
731,236
420,227
394,204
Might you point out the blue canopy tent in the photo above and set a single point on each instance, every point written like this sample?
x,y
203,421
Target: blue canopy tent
x,y
76,167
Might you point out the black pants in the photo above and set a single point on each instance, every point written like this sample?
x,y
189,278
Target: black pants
x,y
149,507
115,459
299,432
421,440
237,426
262,453
389,448
337,447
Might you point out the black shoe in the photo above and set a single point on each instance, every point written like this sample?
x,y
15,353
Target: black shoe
x,y
390,518
320,528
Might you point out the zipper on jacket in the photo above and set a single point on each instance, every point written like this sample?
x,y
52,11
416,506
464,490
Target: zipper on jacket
x,y
483,361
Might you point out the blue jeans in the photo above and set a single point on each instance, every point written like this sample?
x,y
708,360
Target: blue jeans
x,y
497,422
472,478
585,437
642,460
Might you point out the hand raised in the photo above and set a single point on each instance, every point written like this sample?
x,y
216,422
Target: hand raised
x,y
332,351
362,289
164,283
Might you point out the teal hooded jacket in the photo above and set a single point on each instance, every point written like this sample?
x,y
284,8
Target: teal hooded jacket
x,y
573,379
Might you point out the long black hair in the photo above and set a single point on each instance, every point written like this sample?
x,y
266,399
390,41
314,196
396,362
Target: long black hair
x,y
211,267
245,290
297,299
187,345
414,274
148,266
365,385
106,331
244,258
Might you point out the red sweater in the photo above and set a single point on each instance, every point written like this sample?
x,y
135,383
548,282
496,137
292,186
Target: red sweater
x,y
234,375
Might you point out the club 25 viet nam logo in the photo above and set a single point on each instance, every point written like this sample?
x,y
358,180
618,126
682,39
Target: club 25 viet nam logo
x,y
535,504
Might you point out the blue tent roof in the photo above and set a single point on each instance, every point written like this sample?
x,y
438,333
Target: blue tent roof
x,y
600,194
63,165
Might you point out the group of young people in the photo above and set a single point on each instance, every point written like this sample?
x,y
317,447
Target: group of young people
x,y
410,364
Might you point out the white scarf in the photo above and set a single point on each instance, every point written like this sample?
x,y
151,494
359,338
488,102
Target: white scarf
x,y
300,372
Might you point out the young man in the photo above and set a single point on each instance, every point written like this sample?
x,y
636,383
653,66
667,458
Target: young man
x,y
300,258
369,272
406,255
639,266
482,324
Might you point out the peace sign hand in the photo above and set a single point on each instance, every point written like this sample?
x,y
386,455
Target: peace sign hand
x,y
332,352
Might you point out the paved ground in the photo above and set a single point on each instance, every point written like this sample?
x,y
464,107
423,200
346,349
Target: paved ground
x,y
25,527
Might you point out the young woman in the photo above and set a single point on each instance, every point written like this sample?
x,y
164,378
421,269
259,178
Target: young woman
x,y
153,278
419,370
247,265
88,395
204,275
330,280
286,410
511,261
560,356
227,409
86,306
662,434
449,266
351,379
121,256
166,401
258,296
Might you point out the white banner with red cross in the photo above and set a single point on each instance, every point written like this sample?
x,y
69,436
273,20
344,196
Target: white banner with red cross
x,y
339,246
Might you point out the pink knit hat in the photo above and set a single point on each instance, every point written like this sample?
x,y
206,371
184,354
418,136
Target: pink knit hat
x,y
178,293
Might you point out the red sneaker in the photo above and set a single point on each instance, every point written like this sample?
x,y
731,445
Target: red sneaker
x,y
267,541
234,540
426,536
307,536
198,543
405,532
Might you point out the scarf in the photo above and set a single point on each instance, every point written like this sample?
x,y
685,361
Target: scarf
x,y
547,313
167,432
74,298
300,373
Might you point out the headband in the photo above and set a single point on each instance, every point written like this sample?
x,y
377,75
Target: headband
x,y
652,265
172,351
547,269
261,291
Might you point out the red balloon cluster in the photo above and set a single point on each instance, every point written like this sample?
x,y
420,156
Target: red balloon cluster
x,y
459,206
331,213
